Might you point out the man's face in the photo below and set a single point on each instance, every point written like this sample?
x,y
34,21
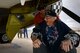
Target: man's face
x,y
50,19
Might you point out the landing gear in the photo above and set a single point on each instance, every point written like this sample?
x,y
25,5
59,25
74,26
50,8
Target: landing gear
x,y
4,38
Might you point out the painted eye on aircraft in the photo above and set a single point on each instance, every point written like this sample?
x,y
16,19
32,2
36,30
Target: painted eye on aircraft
x,y
20,17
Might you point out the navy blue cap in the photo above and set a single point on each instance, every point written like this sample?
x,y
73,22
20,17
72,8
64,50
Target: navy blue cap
x,y
51,13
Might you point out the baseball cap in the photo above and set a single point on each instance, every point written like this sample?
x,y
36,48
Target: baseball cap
x,y
51,13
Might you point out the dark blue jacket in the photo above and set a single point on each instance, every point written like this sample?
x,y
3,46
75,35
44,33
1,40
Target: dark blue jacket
x,y
62,29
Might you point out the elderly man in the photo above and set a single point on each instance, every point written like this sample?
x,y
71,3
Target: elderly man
x,y
55,35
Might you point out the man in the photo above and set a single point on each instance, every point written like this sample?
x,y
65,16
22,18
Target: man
x,y
55,35
25,32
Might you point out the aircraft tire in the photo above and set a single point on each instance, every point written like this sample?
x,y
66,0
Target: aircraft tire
x,y
4,39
